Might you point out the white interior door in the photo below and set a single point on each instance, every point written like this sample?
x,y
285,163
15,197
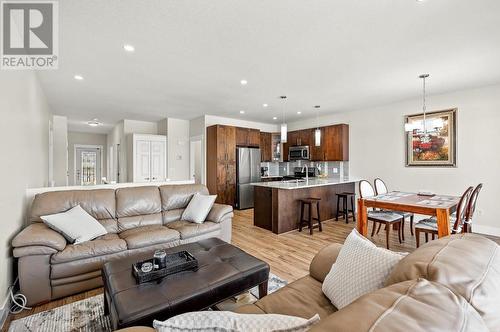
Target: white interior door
x,y
143,161
158,167
87,166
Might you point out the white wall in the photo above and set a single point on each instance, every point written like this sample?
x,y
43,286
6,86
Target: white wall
x,y
59,151
24,134
377,148
178,149
76,138
114,140
212,120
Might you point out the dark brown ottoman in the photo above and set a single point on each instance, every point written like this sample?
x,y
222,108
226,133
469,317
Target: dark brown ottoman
x,y
224,271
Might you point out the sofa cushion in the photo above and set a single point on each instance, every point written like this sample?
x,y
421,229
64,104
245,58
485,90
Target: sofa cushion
x,y
323,261
361,267
468,264
198,208
188,229
414,305
138,206
172,215
217,321
104,245
178,196
220,212
99,203
302,298
76,225
148,235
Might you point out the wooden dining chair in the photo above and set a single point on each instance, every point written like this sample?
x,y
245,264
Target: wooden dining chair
x,y
429,225
380,189
471,208
380,217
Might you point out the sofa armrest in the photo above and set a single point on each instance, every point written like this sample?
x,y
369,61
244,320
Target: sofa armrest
x,y
220,212
39,235
323,261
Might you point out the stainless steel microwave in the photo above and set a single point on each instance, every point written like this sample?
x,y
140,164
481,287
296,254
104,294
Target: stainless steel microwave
x,y
298,153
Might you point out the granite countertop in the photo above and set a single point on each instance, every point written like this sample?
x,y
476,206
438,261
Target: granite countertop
x,y
306,184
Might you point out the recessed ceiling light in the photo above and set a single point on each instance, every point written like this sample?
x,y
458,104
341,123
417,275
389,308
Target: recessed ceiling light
x,y
275,118
78,77
243,82
128,48
299,112
242,112
94,123
264,105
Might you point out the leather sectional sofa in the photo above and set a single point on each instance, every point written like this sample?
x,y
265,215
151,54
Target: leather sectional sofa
x,y
137,219
451,284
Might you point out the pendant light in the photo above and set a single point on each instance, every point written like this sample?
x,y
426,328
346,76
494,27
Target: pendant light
x,y
317,132
284,127
425,138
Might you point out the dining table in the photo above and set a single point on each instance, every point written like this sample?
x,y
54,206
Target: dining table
x,y
440,206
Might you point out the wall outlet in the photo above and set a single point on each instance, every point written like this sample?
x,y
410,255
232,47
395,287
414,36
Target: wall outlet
x,y
479,212
335,170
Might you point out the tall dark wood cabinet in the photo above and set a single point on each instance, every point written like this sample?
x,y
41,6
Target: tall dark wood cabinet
x,y
221,163
336,143
266,146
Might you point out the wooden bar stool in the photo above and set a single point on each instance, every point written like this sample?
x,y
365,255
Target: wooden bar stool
x,y
309,221
345,209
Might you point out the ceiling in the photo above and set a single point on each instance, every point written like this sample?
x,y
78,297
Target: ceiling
x,y
191,55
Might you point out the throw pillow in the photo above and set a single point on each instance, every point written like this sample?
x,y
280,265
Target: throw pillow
x,y
198,208
361,268
76,225
216,321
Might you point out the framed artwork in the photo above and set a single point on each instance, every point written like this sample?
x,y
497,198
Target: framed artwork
x,y
432,145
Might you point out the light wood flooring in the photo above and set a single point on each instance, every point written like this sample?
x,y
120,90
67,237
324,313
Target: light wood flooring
x,y
288,254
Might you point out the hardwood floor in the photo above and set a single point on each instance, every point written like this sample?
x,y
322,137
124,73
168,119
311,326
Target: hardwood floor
x,y
288,254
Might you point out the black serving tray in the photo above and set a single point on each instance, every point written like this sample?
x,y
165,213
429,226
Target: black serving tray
x,y
176,262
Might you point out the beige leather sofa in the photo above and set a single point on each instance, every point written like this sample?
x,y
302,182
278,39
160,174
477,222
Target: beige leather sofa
x,y
136,218
451,284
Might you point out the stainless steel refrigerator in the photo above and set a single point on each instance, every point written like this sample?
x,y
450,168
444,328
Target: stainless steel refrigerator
x,y
247,171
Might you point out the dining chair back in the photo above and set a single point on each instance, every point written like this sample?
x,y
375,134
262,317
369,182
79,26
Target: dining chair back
x,y
462,208
471,209
365,189
380,187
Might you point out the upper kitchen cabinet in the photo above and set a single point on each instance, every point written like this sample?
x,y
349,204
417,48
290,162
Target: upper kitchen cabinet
x,y
335,142
247,137
266,146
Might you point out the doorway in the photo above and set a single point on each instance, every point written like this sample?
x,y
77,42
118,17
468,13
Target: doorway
x,y
88,165
195,160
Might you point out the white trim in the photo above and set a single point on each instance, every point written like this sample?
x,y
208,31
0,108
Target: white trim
x,y
488,230
4,311
87,146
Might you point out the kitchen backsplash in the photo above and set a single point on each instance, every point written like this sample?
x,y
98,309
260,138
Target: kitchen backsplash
x,y
332,169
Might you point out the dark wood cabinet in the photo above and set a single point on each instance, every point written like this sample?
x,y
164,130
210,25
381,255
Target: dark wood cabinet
x,y
266,146
247,137
221,163
336,143
317,153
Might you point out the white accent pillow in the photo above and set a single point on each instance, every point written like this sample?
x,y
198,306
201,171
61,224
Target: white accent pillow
x,y
76,225
361,268
198,208
217,321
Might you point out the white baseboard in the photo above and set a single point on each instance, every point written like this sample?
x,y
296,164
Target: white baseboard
x,y
488,230
4,312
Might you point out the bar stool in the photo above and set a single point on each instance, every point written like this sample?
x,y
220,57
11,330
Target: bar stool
x,y
309,221
344,196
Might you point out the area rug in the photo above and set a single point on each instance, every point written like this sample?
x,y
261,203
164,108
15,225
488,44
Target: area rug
x,y
88,315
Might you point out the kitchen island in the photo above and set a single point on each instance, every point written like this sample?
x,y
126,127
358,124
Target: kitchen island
x,y
277,207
